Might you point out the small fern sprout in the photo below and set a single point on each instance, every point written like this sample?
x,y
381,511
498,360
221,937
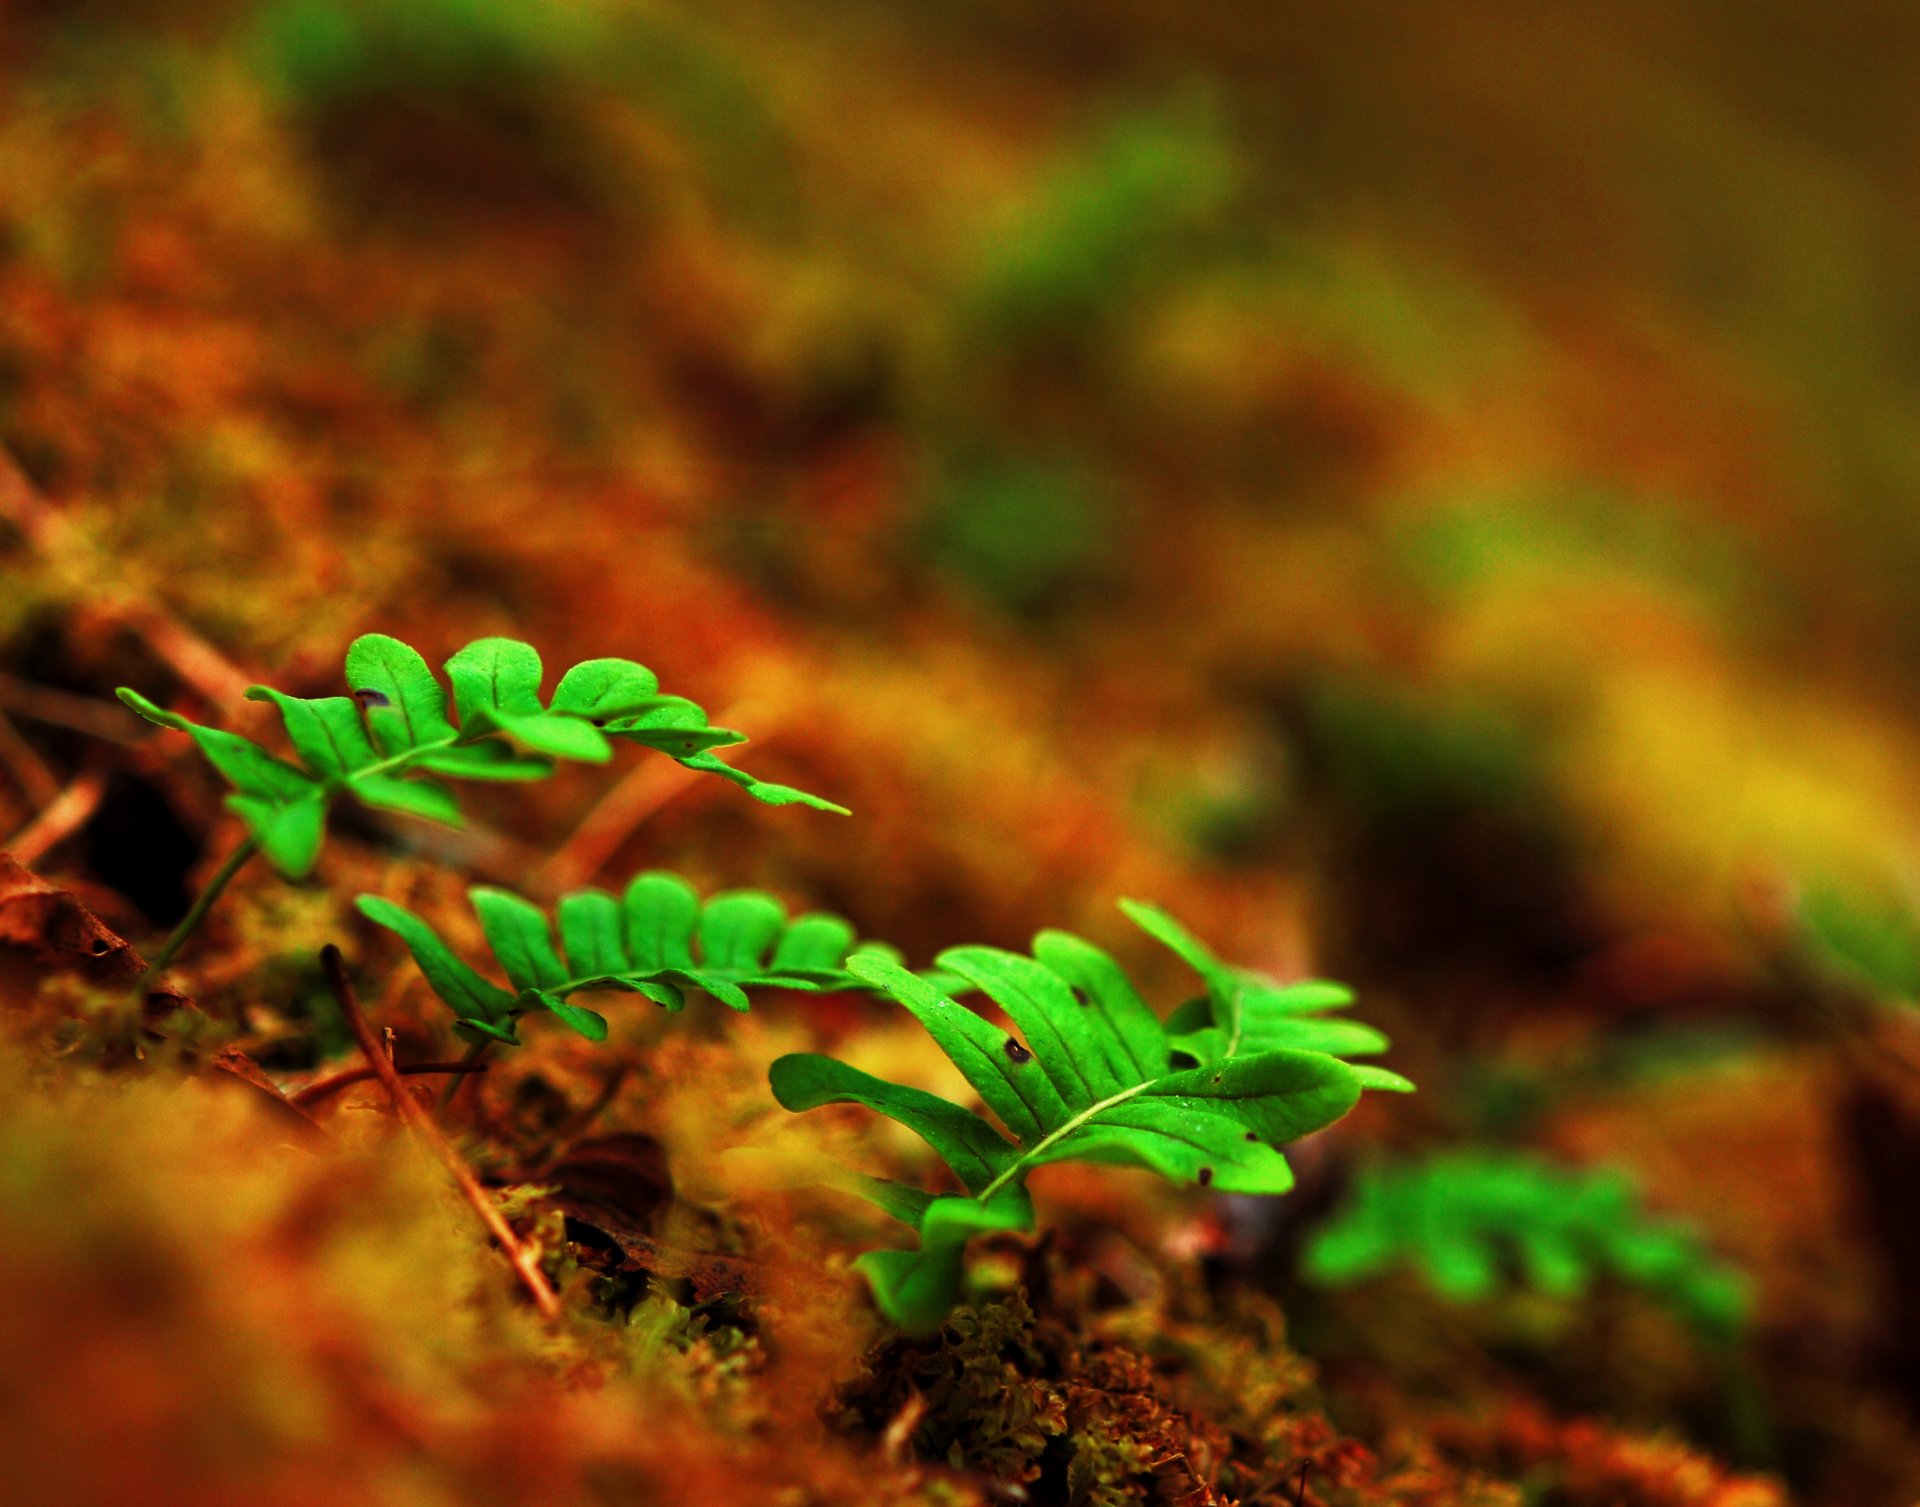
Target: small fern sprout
x,y
1093,1075
392,744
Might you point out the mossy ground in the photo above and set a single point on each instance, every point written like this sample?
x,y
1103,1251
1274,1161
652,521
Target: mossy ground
x,y
1441,525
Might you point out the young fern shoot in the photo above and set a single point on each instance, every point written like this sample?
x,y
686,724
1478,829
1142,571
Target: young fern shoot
x,y
1092,1075
392,743
659,940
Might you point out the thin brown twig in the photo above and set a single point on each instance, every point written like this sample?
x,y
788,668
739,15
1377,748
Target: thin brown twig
x,y
64,815
421,1124
29,770
91,715
323,1089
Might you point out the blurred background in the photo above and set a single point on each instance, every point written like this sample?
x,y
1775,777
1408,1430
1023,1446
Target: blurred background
x,y
1431,494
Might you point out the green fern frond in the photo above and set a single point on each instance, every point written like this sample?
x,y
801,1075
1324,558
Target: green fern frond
x,y
1091,1075
1472,1222
658,940
392,742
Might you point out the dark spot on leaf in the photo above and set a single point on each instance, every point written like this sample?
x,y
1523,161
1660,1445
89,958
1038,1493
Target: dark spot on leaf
x,y
1252,1137
1016,1052
373,698
1206,1176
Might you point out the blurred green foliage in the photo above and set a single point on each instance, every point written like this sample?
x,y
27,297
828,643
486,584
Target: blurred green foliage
x,y
1477,1223
1027,534
1872,935
1111,223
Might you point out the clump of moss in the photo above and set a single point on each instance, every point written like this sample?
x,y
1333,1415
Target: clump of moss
x,y
1174,1399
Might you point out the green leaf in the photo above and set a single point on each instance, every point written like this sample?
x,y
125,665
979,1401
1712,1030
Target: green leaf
x,y
1307,1033
673,725
405,706
600,689
1181,1143
470,994
517,932
485,1032
916,1289
1090,1077
1157,924
1068,1041
814,945
761,790
416,797
1223,988
589,1023
490,760
665,995
159,716
975,1151
1308,997
593,931
1244,1013
407,735
662,911
284,807
1385,1079
738,929
496,686
1000,1068
496,677
248,767
1279,1096
908,1205
1132,1039
327,733
289,834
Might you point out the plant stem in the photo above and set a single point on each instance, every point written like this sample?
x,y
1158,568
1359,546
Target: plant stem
x,y
1024,1161
190,922
467,1064
417,1120
326,1088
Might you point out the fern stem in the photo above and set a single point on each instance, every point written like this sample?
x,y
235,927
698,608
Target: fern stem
x,y
197,912
523,1260
467,1066
1024,1161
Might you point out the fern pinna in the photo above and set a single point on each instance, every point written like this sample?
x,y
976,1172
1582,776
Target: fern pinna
x,y
391,743
658,940
1092,1075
